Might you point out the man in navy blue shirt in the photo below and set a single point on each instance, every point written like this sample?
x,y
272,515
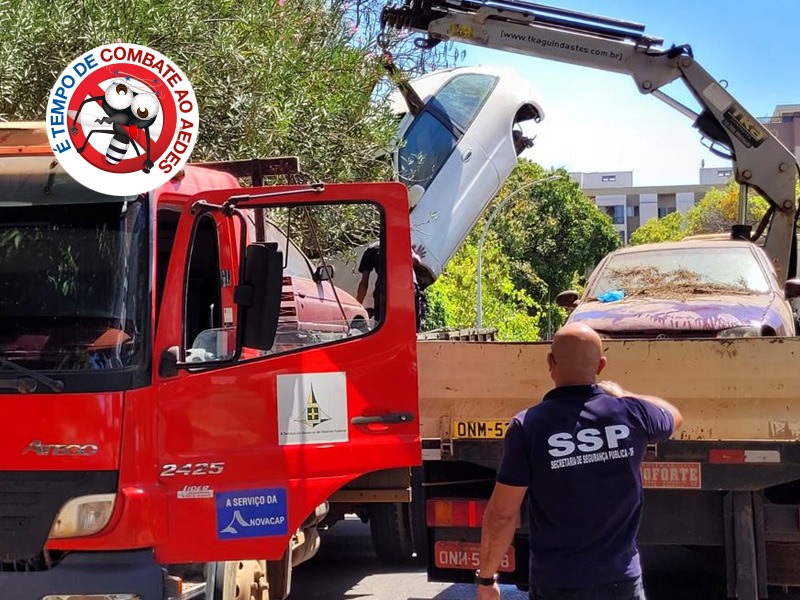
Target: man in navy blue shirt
x,y
577,455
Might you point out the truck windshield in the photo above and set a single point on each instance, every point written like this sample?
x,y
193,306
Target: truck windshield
x,y
74,285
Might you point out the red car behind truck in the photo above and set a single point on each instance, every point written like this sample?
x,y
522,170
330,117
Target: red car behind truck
x,y
129,469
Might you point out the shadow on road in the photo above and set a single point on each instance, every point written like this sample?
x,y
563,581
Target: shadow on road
x,y
345,559
346,569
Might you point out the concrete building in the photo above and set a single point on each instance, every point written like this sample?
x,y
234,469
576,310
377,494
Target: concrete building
x,y
629,206
784,124
715,176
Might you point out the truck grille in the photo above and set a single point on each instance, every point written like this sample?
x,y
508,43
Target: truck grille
x,y
29,503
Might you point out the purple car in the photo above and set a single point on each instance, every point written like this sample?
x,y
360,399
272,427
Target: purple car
x,y
687,289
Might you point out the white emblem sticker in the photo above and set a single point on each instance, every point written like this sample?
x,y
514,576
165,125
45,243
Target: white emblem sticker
x,y
190,492
312,408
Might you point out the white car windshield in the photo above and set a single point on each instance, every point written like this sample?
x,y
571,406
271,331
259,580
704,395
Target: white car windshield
x,y
430,140
712,270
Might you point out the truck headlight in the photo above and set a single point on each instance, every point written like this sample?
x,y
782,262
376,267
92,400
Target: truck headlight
x,y
85,515
740,332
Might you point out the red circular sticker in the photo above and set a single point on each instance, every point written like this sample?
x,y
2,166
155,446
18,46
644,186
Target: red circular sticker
x,y
122,119
89,96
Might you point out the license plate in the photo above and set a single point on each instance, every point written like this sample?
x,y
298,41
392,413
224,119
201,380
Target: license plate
x,y
467,555
671,475
479,430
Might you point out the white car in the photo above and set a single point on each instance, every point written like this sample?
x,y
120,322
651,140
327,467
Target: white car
x,y
458,151
454,155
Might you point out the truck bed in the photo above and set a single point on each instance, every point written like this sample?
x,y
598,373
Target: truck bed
x,y
730,479
743,389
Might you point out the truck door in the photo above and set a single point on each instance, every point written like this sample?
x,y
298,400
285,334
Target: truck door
x,y
252,440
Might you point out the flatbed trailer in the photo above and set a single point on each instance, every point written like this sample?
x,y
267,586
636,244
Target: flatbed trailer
x,y
730,479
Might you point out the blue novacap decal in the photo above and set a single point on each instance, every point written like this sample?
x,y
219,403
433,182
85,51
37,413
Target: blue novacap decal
x,y
251,513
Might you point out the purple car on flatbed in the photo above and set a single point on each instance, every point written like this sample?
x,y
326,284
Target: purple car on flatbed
x,y
687,289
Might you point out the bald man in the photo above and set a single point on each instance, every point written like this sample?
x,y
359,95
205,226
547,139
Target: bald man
x,y
577,455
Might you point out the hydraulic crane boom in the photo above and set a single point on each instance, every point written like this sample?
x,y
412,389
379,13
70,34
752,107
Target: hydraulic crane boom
x,y
760,160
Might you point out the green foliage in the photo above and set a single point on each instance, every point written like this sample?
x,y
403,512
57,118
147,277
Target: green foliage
x,y
551,233
715,213
540,244
667,229
272,77
719,209
452,299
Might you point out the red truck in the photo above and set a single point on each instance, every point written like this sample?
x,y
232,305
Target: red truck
x,y
170,429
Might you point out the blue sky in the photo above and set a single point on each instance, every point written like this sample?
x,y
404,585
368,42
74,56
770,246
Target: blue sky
x,y
598,121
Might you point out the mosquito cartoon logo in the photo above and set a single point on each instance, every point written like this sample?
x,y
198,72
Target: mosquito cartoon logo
x,y
122,119
129,106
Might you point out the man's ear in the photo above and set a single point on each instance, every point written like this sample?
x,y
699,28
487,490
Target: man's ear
x,y
602,364
551,360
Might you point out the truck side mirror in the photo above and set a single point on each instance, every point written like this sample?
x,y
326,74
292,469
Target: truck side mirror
x,y
259,295
791,289
324,273
567,299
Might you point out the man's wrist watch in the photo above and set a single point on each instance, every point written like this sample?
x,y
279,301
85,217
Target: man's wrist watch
x,y
485,580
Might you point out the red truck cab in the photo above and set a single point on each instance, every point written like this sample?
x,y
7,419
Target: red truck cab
x,y
163,412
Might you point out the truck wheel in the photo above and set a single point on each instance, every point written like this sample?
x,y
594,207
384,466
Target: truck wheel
x,y
241,580
391,533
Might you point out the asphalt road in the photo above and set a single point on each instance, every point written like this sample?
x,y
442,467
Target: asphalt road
x,y
346,568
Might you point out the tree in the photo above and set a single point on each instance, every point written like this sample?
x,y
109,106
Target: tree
x,y
719,209
539,245
552,232
667,229
715,213
272,77
452,299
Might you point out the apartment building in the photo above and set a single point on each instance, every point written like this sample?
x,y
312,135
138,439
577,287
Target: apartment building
x,y
629,206
784,124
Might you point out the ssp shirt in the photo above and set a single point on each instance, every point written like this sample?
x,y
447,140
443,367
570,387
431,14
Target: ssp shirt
x,y
580,452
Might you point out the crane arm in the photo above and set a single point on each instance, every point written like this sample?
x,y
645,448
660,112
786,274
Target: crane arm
x,y
760,160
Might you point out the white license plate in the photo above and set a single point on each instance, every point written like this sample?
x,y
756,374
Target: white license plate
x,y
467,555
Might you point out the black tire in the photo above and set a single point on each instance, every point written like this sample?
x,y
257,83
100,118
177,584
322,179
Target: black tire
x,y
391,533
227,578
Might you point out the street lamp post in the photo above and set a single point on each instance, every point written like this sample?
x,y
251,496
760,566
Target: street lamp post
x,y
503,202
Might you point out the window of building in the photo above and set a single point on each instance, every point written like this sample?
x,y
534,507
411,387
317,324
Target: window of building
x,y
633,211
663,211
608,178
724,173
616,213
